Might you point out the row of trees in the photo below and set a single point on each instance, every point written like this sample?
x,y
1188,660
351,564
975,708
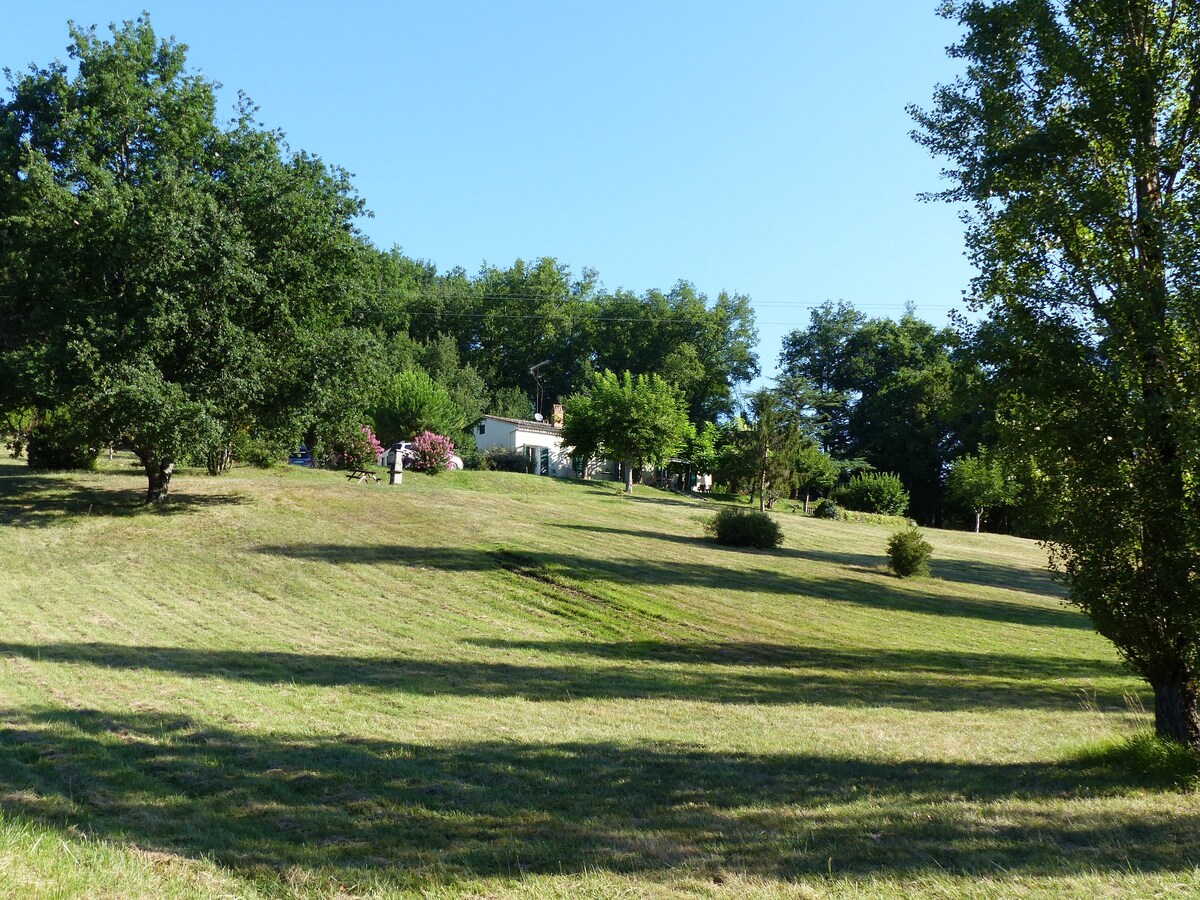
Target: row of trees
x,y
194,290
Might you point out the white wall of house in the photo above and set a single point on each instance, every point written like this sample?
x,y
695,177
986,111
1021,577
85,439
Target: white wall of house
x,y
533,438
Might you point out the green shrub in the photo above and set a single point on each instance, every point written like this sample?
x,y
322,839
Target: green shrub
x,y
744,528
58,443
472,458
503,460
876,492
827,509
851,515
262,451
909,553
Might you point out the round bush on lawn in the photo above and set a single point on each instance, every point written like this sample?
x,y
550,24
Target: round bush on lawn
x,y
909,553
744,528
827,509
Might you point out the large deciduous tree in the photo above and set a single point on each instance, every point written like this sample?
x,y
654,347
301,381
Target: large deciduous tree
x,y
1073,139
166,279
638,420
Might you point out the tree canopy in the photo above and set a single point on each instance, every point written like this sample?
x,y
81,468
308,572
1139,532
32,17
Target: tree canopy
x,y
162,276
637,420
1072,140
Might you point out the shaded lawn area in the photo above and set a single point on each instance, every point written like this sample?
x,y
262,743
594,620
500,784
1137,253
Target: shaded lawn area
x,y
648,670
404,812
39,500
984,572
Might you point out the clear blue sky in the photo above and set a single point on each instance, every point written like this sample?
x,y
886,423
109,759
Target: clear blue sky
x,y
757,147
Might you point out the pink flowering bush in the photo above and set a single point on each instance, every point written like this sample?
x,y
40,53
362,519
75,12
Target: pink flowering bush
x,y
431,452
359,449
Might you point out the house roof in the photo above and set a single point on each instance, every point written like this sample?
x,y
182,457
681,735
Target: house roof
x,y
528,425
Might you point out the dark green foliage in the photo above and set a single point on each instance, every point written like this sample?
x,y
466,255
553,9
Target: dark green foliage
x,y
262,449
819,358
744,528
827,509
15,427
503,460
909,553
768,445
506,320
58,443
903,395
472,458
979,483
169,277
702,448
512,403
412,403
638,420
1071,143
875,492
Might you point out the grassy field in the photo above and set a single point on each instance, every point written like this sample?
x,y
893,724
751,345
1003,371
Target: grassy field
x,y
496,685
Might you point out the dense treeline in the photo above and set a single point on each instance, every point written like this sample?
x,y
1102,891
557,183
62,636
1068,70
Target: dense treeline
x,y
198,293
504,321
900,395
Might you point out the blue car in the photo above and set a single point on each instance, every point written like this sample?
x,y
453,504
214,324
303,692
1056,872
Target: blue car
x,y
300,457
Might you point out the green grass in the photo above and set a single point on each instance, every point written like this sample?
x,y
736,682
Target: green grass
x,y
495,685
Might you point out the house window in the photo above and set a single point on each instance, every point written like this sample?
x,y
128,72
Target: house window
x,y
481,424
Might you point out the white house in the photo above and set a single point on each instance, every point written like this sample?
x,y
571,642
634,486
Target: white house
x,y
541,442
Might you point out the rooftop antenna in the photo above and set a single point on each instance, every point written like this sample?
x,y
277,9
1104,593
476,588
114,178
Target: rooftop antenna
x,y
534,370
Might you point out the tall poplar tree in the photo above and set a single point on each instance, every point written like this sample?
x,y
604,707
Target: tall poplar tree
x,y
1073,139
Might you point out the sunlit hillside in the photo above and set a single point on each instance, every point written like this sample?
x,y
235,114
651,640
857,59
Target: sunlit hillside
x,y
484,684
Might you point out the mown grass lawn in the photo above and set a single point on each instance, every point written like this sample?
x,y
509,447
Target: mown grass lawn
x,y
496,685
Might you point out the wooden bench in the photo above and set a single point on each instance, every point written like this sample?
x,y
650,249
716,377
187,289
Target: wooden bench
x,y
362,475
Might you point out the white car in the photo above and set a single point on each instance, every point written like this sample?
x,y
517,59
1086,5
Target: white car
x,y
406,453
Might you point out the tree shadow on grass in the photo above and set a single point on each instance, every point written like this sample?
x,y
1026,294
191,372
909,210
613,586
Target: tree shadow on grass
x,y
576,574
710,673
378,813
641,493
700,543
33,500
985,573
979,572
761,653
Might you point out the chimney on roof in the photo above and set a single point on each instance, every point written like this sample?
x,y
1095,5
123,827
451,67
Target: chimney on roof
x,y
556,416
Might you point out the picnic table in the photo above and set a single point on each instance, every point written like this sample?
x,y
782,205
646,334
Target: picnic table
x,y
362,475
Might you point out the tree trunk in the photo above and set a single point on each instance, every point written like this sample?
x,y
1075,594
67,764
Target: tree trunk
x,y
978,517
1175,714
629,477
762,492
806,503
159,475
